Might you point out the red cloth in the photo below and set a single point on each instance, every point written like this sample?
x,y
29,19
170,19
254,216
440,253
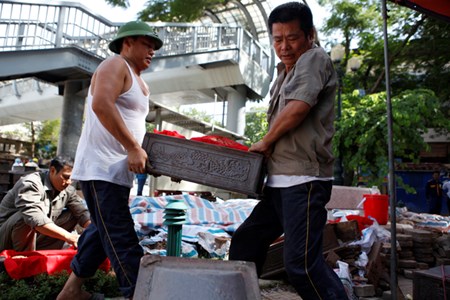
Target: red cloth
x,y
209,139
30,263
169,133
220,141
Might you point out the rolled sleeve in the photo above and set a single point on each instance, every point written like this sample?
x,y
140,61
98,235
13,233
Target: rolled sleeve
x,y
32,203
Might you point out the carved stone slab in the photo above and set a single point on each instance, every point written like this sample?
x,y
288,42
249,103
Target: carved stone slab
x,y
207,164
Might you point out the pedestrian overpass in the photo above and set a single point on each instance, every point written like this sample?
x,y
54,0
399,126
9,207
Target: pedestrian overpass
x,y
49,50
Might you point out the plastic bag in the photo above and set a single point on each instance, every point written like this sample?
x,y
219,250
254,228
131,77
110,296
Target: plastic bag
x,y
216,246
361,263
346,279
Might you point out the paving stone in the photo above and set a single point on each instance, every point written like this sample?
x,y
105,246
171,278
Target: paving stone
x,y
387,295
403,237
364,290
407,264
422,266
408,274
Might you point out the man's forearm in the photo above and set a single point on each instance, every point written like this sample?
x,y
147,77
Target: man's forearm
x,y
54,231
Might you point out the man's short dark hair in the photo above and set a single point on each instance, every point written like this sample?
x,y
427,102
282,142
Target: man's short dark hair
x,y
292,11
60,161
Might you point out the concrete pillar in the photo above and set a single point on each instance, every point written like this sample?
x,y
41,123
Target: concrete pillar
x,y
72,117
236,110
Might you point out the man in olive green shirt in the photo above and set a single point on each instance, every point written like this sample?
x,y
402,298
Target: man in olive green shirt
x,y
41,210
299,160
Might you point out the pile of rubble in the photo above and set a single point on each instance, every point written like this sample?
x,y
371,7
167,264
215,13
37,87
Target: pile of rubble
x,y
362,249
369,268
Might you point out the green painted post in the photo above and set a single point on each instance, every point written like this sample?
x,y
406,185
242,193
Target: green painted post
x,y
174,218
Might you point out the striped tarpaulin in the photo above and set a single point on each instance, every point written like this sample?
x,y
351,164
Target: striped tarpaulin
x,y
148,212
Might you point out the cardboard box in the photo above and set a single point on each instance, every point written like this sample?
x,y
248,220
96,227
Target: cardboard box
x,y
207,164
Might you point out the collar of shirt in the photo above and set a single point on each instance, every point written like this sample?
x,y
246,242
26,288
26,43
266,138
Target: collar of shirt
x,y
49,190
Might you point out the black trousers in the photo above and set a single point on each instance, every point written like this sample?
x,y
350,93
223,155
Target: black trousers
x,y
111,234
298,212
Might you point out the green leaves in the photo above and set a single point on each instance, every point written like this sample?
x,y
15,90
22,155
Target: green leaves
x,y
45,287
361,138
176,10
256,125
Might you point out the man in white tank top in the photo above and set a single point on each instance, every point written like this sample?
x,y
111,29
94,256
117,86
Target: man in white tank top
x,y
109,153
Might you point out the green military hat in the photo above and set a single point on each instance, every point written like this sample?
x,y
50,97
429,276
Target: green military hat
x,y
134,28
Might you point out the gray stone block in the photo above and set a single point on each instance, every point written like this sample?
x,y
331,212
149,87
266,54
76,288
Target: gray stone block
x,y
207,164
364,290
177,278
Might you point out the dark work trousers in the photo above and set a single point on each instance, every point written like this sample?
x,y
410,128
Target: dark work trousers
x,y
111,234
435,204
298,212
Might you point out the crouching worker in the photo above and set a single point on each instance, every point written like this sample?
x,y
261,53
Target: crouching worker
x,y
41,210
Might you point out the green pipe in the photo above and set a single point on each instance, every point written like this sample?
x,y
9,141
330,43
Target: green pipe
x,y
174,218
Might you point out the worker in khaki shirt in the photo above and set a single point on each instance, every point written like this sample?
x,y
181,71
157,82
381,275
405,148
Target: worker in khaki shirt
x,y
41,210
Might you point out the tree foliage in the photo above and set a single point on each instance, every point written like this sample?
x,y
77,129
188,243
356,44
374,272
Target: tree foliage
x,y
43,136
256,124
419,72
47,138
200,115
361,140
418,45
172,10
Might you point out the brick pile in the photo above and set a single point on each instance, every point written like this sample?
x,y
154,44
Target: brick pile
x,y
418,249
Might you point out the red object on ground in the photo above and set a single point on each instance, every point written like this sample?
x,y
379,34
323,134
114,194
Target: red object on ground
x,y
363,222
30,263
377,206
220,141
169,133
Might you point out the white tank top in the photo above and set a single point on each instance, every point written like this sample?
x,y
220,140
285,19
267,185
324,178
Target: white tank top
x,y
99,155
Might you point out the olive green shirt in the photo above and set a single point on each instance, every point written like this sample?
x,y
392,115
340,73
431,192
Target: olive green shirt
x,y
305,150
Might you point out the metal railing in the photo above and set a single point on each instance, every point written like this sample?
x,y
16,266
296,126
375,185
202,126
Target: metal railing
x,y
34,24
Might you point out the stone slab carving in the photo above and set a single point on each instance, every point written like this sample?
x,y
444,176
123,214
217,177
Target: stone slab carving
x,y
211,165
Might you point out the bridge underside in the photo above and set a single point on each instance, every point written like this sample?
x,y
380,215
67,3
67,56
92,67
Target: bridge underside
x,y
50,65
174,80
